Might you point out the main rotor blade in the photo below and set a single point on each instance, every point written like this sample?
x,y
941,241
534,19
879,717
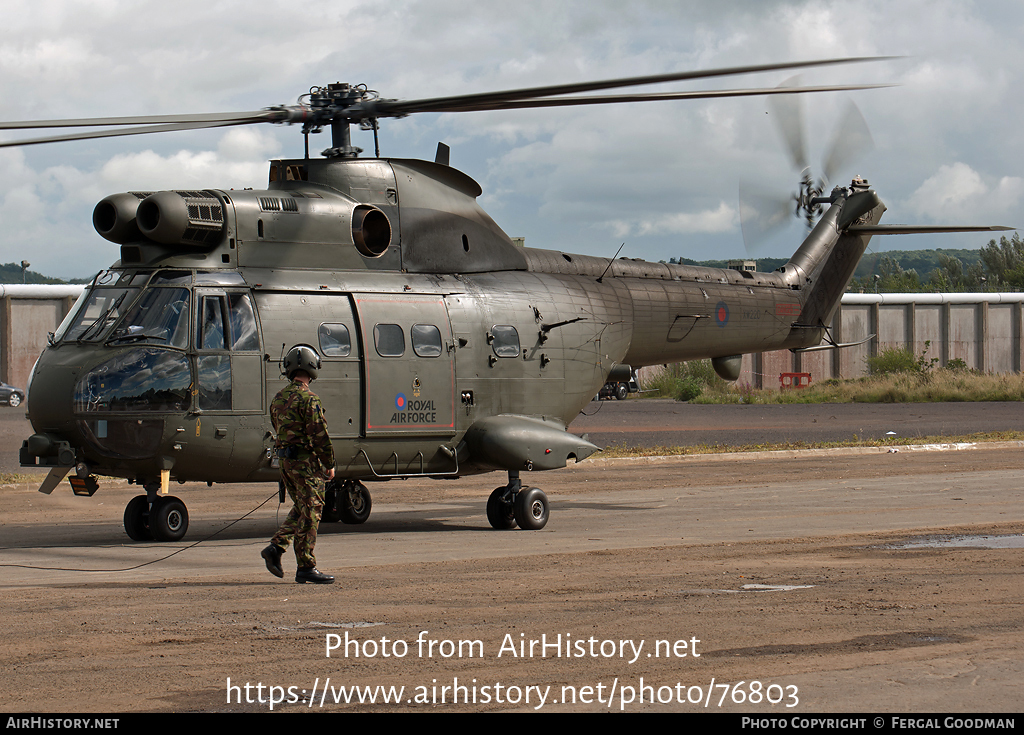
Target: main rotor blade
x,y
438,104
852,140
789,121
762,213
651,97
214,117
122,131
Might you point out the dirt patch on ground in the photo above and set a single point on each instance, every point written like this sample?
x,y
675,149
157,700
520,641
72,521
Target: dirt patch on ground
x,y
820,621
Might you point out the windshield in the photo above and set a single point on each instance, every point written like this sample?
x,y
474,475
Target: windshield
x,y
160,315
102,308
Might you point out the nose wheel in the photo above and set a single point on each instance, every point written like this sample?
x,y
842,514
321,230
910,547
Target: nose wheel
x,y
511,505
165,519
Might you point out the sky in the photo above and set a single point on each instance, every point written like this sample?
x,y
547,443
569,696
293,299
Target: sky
x,y
661,177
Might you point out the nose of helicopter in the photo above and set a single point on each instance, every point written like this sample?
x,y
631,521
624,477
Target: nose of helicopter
x,y
50,390
49,408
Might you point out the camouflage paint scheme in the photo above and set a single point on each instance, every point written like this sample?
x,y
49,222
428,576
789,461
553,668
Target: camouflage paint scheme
x,y
471,403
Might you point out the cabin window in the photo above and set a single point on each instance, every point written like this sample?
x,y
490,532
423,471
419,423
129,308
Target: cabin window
x,y
389,339
426,340
505,342
335,340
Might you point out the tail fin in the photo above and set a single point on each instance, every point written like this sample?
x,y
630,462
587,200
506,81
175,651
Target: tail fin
x,y
825,262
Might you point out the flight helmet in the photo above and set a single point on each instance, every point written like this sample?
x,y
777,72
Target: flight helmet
x,y
301,357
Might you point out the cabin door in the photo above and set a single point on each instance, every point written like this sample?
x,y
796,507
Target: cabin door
x,y
409,383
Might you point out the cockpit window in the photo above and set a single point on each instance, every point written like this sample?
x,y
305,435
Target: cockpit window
x,y
161,315
145,379
227,321
102,308
243,323
211,324
172,278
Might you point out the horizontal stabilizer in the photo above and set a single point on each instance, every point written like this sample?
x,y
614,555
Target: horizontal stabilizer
x,y
514,443
834,345
919,229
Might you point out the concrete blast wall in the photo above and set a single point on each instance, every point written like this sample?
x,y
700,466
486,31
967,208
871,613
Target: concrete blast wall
x,y
982,329
27,314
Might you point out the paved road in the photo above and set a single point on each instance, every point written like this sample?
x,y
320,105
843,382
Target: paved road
x,y
657,422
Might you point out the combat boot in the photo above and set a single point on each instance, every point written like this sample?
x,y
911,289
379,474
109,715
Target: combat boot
x,y
312,574
272,556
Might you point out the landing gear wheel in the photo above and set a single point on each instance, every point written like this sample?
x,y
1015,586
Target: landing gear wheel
x,y
354,503
531,509
499,511
168,519
136,519
621,392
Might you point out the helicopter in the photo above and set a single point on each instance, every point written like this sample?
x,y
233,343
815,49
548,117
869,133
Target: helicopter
x,y
447,350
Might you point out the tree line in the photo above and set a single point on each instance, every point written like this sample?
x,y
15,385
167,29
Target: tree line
x,y
998,266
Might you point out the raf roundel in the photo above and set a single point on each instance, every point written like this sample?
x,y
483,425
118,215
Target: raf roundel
x,y
400,401
721,314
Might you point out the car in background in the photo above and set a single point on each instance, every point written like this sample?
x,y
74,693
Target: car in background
x,y
620,389
11,396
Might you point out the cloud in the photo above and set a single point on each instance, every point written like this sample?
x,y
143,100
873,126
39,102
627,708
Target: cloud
x,y
722,219
959,193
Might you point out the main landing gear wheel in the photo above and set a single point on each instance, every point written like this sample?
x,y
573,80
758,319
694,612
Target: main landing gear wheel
x,y
168,519
621,392
500,513
531,509
136,519
354,503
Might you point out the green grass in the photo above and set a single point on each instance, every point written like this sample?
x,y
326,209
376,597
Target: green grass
x,y
904,387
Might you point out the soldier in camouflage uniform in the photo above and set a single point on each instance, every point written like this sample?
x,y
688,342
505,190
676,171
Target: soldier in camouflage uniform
x,y
307,459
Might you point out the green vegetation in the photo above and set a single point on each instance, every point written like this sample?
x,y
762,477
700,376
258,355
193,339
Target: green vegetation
x,y
998,266
11,273
686,381
902,360
896,376
904,386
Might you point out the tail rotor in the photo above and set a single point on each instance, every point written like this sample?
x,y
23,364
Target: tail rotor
x,y
762,213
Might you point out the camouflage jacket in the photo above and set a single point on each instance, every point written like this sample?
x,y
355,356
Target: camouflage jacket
x,y
298,419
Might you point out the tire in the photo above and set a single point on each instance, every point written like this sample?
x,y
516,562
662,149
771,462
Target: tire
x,y
621,391
531,509
14,400
168,519
136,519
354,503
500,514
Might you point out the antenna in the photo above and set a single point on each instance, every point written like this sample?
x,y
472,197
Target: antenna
x,y
611,261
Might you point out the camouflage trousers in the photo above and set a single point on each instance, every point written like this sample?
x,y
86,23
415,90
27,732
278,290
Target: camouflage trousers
x,y
305,485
